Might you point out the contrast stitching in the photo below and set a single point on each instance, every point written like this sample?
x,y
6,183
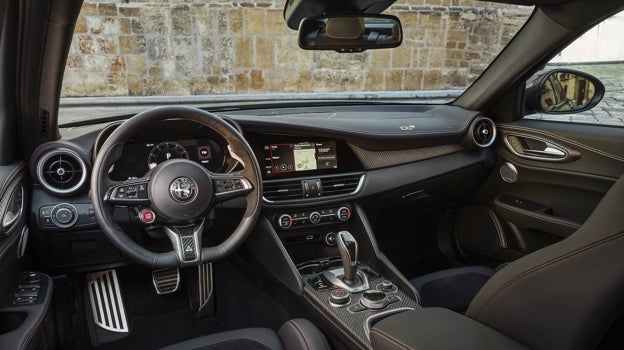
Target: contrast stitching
x,y
390,339
563,139
543,265
540,217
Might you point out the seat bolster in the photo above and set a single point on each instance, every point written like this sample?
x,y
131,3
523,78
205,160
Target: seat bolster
x,y
301,334
263,337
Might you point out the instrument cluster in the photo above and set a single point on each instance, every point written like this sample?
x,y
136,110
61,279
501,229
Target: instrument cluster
x,y
139,157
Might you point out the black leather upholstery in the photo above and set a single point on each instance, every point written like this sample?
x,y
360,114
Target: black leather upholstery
x,y
437,328
294,334
565,295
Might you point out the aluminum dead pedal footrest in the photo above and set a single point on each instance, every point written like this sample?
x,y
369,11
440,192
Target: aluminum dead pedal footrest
x,y
166,281
205,291
106,301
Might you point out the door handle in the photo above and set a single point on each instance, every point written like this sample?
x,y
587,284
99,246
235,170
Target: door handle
x,y
536,148
550,151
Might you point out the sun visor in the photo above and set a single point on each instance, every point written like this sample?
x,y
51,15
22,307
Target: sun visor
x,y
296,10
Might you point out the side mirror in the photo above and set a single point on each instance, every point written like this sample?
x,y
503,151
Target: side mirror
x,y
350,33
563,91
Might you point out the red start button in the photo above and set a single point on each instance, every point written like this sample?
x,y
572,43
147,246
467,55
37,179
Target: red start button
x,y
147,216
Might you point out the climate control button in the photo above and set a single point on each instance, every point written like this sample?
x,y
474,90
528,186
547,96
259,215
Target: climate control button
x,y
343,214
285,221
315,217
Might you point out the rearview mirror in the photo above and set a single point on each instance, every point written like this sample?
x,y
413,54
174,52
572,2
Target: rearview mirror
x,y
349,33
563,91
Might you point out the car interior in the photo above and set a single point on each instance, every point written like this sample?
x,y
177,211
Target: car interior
x,y
329,224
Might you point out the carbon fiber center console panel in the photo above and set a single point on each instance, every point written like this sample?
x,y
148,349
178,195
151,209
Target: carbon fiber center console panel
x,y
352,317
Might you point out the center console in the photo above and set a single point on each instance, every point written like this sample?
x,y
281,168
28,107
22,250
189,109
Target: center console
x,y
316,241
330,258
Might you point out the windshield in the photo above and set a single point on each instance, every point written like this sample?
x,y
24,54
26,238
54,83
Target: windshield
x,y
128,56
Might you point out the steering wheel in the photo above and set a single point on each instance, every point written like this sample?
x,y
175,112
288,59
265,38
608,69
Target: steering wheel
x,y
179,192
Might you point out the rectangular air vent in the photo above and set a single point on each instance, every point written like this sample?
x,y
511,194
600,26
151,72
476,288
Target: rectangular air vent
x,y
283,190
343,184
333,185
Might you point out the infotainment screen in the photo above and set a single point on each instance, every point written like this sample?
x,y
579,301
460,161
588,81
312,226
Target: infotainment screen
x,y
284,158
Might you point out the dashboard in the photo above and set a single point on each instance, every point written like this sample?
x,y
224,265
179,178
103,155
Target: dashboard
x,y
324,158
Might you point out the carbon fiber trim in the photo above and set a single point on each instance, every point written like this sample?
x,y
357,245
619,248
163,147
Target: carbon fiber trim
x,y
381,159
353,324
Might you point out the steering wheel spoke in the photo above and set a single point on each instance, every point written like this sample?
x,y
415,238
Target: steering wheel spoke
x,y
186,241
228,186
130,193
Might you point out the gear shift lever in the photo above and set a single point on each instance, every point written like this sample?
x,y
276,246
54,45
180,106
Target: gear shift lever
x,y
348,248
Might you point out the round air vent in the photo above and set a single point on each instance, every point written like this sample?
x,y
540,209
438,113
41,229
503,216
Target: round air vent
x,y
61,171
483,131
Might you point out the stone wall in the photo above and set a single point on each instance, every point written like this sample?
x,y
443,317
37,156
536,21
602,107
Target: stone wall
x,y
185,47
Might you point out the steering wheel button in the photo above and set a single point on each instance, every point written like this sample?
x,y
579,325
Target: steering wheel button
x,y
147,216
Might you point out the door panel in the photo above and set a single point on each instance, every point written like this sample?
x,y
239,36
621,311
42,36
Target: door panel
x,y
552,192
12,222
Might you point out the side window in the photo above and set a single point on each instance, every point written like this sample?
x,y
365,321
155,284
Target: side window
x,y
598,52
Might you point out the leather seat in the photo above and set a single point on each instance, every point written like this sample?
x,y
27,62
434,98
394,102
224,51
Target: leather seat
x,y
294,334
566,295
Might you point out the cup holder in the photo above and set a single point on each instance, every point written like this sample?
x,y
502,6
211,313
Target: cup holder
x,y
10,321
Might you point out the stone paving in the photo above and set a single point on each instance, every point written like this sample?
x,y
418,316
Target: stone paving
x,y
610,111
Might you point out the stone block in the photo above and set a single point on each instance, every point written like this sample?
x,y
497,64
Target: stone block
x,y
432,80
182,22
107,9
236,21
88,9
116,84
176,87
107,44
136,64
257,80
380,59
244,51
125,26
413,79
275,23
127,44
135,85
374,80
96,63
401,58
394,80
129,11
157,48
243,83
83,84
254,21
264,52
74,62
431,20
117,64
81,25
304,81
198,86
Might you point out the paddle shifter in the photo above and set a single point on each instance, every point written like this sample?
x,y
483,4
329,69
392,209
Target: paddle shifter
x,y
348,248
